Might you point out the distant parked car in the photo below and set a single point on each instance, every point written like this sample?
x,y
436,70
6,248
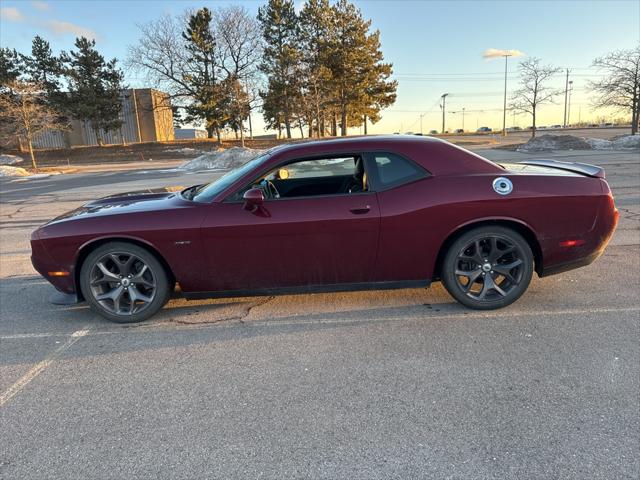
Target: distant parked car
x,y
514,129
530,127
484,129
458,130
606,125
555,126
592,125
541,127
433,132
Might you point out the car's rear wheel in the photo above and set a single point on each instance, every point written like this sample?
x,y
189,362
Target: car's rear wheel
x,y
124,282
488,267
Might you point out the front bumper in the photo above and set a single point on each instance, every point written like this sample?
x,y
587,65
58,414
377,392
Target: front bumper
x,y
43,263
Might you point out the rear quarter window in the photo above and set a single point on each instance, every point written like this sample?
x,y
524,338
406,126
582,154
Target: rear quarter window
x,y
395,170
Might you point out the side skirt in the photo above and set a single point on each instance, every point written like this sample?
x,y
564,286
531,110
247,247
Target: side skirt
x,y
338,287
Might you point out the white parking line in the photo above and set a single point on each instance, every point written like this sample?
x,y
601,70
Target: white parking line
x,y
290,320
38,368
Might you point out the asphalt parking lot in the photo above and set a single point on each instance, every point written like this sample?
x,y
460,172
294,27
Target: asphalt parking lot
x,y
394,384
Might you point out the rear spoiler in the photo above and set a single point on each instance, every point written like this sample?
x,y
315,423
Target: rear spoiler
x,y
583,168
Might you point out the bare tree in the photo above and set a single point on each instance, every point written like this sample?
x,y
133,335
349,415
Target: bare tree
x,y
26,113
533,90
239,49
197,66
160,55
620,87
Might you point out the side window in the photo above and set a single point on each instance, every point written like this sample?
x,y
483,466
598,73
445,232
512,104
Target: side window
x,y
339,175
329,167
395,170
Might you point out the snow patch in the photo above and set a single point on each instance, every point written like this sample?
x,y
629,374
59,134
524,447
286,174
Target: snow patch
x,y
624,142
570,142
185,150
6,159
221,159
554,142
627,142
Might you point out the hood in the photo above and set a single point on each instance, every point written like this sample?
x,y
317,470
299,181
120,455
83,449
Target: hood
x,y
141,200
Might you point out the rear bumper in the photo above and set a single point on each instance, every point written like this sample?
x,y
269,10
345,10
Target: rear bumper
x,y
595,243
570,265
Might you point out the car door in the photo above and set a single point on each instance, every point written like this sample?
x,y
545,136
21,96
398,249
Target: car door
x,y
300,241
405,222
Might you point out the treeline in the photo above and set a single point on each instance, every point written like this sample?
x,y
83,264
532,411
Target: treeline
x,y
79,83
318,71
42,91
324,68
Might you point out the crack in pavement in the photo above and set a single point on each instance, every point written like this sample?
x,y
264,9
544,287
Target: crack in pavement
x,y
247,308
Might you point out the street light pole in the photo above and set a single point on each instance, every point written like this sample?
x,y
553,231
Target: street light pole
x,y
566,94
462,119
421,115
504,107
569,104
444,99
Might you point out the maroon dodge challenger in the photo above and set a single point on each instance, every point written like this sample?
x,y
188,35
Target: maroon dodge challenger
x,y
330,215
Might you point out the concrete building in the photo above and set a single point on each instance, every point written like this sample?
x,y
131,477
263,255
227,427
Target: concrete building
x,y
146,117
189,133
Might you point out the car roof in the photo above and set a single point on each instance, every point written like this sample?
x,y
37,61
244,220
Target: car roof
x,y
356,142
428,151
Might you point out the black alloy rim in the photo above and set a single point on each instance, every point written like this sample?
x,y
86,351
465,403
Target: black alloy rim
x,y
122,283
489,268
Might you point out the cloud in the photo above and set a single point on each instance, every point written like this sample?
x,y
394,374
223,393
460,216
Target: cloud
x,y
58,27
38,5
494,53
11,14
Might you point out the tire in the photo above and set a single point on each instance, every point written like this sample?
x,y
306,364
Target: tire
x,y
124,283
488,267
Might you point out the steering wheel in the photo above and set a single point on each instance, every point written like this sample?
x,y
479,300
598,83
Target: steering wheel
x,y
272,190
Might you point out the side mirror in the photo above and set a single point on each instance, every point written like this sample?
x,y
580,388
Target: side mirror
x,y
253,199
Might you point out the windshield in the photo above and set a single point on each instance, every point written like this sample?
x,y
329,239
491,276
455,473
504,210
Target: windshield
x,y
206,192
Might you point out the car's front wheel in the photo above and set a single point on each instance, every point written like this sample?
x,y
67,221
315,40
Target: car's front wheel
x,y
488,267
124,282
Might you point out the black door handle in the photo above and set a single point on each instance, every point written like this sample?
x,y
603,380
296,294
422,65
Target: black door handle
x,y
361,210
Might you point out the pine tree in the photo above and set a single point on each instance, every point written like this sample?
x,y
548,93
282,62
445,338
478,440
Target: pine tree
x,y
359,76
10,66
280,60
208,93
316,22
42,66
95,87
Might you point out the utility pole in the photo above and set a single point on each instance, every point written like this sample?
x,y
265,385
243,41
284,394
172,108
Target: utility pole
x,y
444,99
462,119
566,93
569,104
504,107
421,115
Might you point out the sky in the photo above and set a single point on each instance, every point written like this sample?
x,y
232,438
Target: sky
x,y
435,47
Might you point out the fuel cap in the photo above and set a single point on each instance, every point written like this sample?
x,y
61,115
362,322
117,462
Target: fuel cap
x,y
503,186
